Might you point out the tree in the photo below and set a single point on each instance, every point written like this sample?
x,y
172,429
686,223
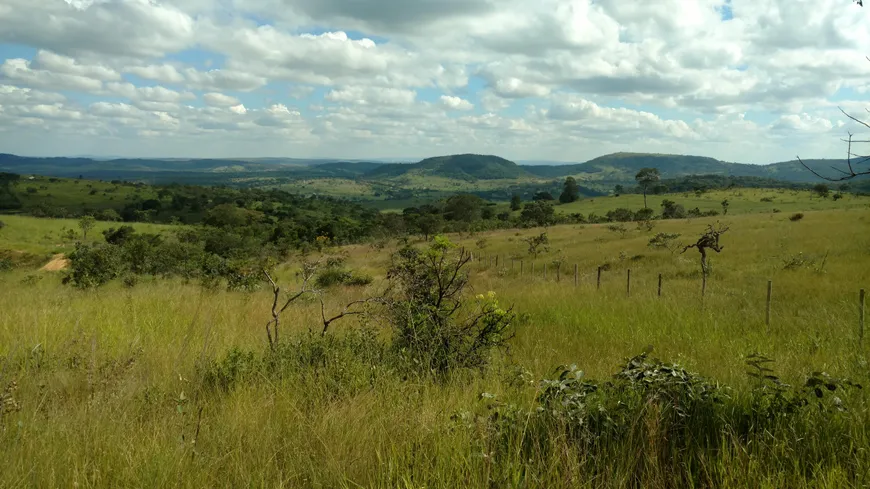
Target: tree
x,y
571,191
708,240
646,177
538,244
538,213
542,195
429,224
618,190
516,203
86,223
822,190
463,207
725,205
672,210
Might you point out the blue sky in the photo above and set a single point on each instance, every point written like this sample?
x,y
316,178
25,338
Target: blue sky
x,y
741,80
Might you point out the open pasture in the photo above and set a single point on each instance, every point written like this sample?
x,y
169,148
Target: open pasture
x,y
110,389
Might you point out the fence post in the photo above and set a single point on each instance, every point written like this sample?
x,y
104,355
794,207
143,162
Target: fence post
x,y
496,261
533,269
471,256
558,272
767,313
660,285
628,283
861,324
575,275
598,283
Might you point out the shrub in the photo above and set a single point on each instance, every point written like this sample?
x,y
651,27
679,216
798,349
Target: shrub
x,y
94,265
2,224
667,241
435,330
681,420
796,217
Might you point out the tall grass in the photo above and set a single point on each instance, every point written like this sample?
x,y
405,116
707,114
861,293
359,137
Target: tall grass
x,y
110,382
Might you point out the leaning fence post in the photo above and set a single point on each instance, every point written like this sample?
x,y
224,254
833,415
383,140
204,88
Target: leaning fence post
x,y
575,275
598,283
767,313
628,283
861,315
660,285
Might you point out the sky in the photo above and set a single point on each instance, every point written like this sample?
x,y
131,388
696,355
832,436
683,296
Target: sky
x,y
753,81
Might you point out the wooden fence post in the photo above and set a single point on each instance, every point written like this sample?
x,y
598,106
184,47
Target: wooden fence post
x,y
496,261
628,283
861,302
598,283
558,272
576,276
660,285
522,267
767,311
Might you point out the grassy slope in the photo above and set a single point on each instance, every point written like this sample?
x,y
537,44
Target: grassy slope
x,y
45,236
76,194
105,415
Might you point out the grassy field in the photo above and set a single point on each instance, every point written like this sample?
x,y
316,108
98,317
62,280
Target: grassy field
x,y
48,236
111,391
741,201
77,194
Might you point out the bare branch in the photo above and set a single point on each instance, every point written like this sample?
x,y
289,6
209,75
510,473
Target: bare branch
x,y
859,121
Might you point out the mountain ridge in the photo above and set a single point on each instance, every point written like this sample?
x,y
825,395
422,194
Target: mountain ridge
x,y
606,169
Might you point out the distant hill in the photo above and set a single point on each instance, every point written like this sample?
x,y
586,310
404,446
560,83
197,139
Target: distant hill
x,y
461,167
600,173
621,167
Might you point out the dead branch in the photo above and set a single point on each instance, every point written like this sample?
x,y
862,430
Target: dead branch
x,y
308,271
850,156
347,311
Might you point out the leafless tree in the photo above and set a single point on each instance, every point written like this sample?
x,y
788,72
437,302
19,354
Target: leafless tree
x,y
309,271
708,241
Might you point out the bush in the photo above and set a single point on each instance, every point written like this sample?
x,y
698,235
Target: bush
x,y
435,330
667,241
2,224
94,265
796,217
328,366
666,426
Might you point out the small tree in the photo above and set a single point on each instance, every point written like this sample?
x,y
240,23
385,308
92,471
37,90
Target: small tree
x,y
725,205
538,244
646,178
516,202
708,240
822,190
618,190
86,223
571,191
